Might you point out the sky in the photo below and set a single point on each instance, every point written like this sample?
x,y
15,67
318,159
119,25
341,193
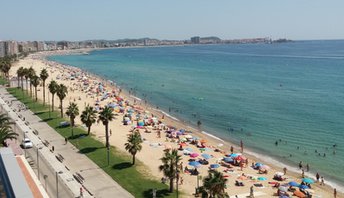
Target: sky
x,y
77,20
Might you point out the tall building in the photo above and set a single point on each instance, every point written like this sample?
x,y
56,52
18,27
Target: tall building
x,y
2,49
11,48
195,40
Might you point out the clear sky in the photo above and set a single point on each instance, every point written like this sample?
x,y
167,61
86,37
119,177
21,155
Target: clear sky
x,y
173,19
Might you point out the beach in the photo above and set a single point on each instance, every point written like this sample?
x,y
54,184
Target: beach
x,y
153,146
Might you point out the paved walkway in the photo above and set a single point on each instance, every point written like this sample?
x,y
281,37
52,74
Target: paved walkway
x,y
96,181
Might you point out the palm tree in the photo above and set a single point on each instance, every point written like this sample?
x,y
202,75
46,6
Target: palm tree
x,y
61,93
134,144
215,184
19,75
26,75
88,117
53,89
72,112
31,73
34,80
170,166
105,116
6,131
44,75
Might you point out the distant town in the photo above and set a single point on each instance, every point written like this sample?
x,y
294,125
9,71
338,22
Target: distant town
x,y
12,48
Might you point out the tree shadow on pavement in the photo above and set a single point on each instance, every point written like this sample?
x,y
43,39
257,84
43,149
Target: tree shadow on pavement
x,y
122,165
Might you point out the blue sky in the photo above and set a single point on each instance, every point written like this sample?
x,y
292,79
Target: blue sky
x,y
174,19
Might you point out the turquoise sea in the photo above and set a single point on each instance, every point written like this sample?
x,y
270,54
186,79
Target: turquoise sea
x,y
292,93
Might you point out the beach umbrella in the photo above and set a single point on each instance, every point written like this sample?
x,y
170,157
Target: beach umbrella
x,y
195,164
206,156
228,159
294,183
186,152
193,155
303,187
240,158
258,164
283,188
299,194
233,155
214,165
189,149
262,178
308,180
182,144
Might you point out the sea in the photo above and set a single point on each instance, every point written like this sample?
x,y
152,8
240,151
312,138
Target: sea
x,y
285,101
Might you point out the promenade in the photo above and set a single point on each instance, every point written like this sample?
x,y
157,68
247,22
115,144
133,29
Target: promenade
x,y
75,170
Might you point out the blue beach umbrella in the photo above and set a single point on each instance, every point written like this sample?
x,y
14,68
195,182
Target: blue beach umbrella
x,y
262,178
233,155
308,180
206,156
258,164
194,164
294,183
303,187
228,159
214,165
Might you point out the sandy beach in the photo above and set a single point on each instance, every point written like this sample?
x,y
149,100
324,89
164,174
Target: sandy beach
x,y
153,145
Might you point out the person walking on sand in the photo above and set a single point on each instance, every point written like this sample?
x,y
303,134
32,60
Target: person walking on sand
x,y
110,132
242,146
251,192
66,140
285,170
307,167
81,192
322,181
335,193
317,176
303,173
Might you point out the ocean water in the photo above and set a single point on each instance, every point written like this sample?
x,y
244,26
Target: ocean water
x,y
292,93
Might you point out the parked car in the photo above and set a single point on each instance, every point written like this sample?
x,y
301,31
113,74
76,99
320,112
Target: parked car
x,y
26,143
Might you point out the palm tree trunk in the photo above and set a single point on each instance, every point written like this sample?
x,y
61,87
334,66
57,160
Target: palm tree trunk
x,y
107,143
171,185
30,89
36,93
52,102
22,83
18,81
43,93
133,159
72,123
27,88
88,130
107,135
61,108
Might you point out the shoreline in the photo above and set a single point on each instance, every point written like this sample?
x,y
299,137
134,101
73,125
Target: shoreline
x,y
275,163
169,119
